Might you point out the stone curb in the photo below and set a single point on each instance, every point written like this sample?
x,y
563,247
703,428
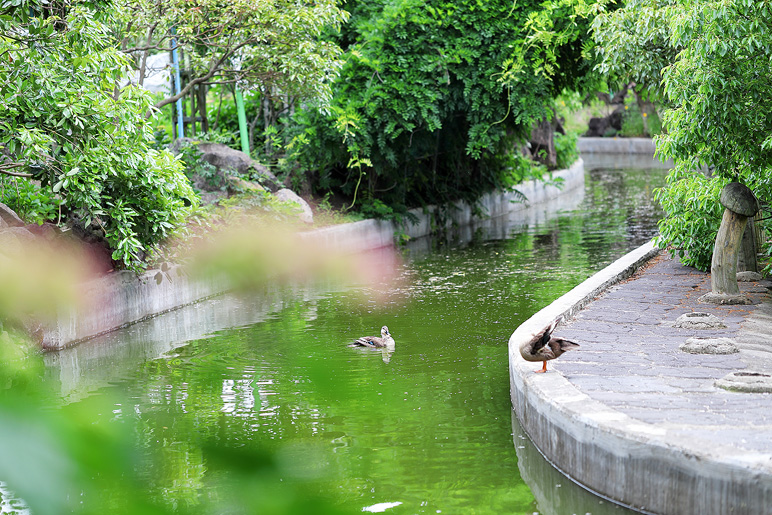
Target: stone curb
x,y
631,462
616,145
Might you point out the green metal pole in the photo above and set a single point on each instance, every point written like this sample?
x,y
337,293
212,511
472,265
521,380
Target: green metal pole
x,y
242,122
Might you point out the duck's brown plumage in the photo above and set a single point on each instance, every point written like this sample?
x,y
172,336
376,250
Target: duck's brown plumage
x,y
544,347
384,341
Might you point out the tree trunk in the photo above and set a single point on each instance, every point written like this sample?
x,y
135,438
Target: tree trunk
x,y
202,108
748,249
642,109
193,109
543,143
723,267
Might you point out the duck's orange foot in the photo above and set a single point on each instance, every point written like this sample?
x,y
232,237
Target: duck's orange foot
x,y
543,369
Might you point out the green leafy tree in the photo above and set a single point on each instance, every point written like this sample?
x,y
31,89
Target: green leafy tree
x,y
714,57
427,108
271,46
720,98
65,122
718,88
633,43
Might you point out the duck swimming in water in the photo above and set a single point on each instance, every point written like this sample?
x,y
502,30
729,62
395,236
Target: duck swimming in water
x,y
385,340
544,347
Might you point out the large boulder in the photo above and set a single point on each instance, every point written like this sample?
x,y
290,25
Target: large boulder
x,y
607,125
223,156
14,241
14,236
285,195
9,218
227,162
611,124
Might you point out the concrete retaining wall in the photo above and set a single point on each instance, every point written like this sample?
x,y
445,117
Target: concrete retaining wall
x,y
371,234
616,146
100,361
627,460
123,298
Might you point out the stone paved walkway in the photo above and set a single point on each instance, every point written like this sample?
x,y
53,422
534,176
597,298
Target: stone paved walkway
x,y
630,358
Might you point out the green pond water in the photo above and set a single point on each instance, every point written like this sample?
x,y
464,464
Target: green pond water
x,y
427,429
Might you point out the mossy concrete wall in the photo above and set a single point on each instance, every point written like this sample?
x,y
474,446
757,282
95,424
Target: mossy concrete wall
x,y
616,146
122,298
371,234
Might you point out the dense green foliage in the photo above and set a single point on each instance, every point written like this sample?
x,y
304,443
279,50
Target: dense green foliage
x,y
429,107
64,123
693,217
718,88
565,148
633,122
719,103
70,121
633,43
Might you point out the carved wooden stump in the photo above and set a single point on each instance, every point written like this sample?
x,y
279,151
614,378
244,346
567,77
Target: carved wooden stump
x,y
740,203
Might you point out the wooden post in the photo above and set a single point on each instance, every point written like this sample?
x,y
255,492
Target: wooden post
x,y
723,267
748,261
740,203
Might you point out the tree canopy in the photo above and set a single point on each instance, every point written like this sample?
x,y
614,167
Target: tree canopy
x,y
71,120
253,44
714,58
633,43
65,122
719,88
427,108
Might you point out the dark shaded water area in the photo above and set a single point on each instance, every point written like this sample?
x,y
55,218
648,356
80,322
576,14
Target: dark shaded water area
x,y
425,429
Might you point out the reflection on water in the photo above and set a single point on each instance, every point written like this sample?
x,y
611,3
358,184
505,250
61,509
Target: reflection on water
x,y
426,429
554,492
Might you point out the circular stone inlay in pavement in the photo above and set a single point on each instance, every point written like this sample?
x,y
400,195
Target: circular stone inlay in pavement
x,y
748,276
699,345
698,320
750,382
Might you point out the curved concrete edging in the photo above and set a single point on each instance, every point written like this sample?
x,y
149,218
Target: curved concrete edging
x,y
628,461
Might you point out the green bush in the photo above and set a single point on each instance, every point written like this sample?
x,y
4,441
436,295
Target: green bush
x,y
31,202
427,106
63,123
565,148
632,124
693,215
